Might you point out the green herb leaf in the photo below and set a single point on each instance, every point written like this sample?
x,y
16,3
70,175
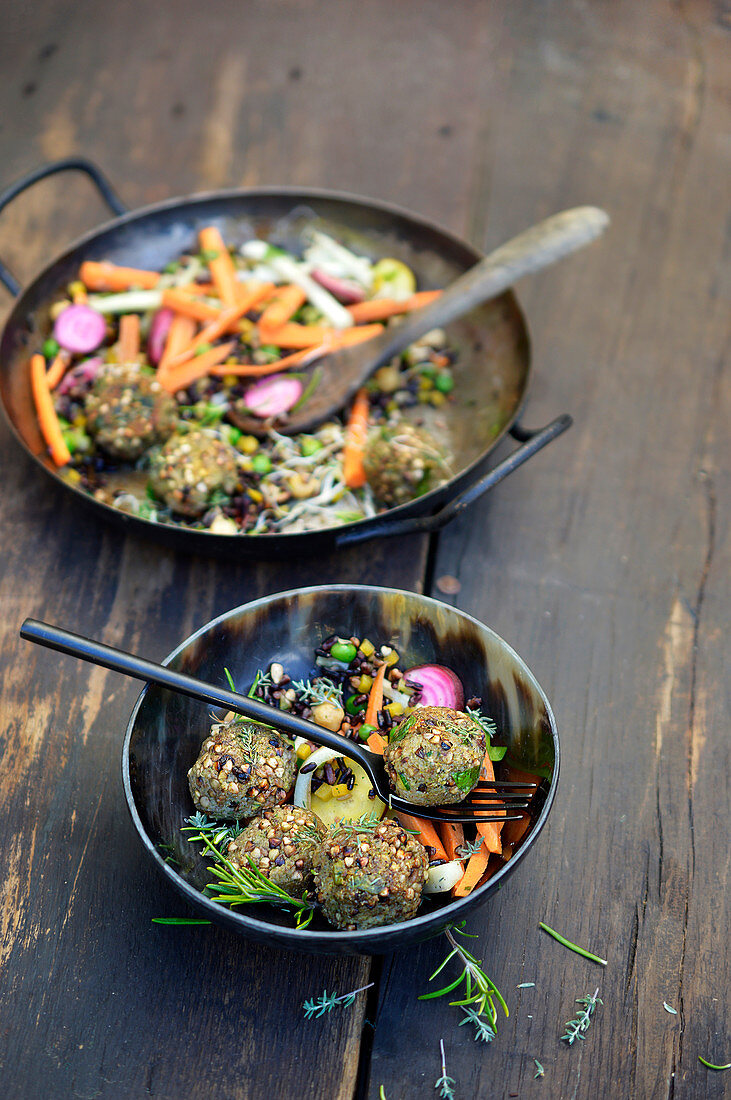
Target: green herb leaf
x,y
572,946
577,1028
467,779
179,920
711,1064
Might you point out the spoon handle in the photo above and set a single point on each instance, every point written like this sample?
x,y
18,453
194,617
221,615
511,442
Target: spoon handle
x,y
128,664
535,248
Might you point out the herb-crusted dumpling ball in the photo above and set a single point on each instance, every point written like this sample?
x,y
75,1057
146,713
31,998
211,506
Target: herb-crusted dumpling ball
x,y
242,769
434,756
191,469
281,842
402,462
369,876
127,411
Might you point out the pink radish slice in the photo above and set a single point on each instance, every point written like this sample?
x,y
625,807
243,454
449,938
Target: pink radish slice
x,y
342,289
80,375
80,329
439,686
158,335
273,396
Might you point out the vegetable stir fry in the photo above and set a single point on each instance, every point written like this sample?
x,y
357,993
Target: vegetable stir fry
x,y
315,822
148,382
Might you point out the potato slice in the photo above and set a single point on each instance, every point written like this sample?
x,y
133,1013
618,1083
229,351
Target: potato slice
x,y
355,806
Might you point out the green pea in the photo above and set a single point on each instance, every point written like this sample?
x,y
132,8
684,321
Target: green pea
x,y
352,707
261,464
444,382
343,651
309,445
50,348
231,434
365,731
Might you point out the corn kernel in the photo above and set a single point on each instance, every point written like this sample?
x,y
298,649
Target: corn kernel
x,y
72,476
437,399
323,793
58,308
390,656
395,709
304,751
340,790
365,683
367,648
248,444
256,496
229,379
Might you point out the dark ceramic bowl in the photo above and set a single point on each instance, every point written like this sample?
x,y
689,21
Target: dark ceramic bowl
x,y
165,732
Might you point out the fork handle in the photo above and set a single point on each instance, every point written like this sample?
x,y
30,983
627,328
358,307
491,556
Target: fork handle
x,y
118,660
530,251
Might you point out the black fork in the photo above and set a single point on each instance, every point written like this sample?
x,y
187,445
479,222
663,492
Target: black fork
x,y
489,801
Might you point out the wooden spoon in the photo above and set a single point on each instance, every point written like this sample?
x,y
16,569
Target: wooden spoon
x,y
342,373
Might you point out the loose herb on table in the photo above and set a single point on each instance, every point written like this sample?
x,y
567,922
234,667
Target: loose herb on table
x,y
711,1065
572,946
577,1028
445,1084
480,992
326,1002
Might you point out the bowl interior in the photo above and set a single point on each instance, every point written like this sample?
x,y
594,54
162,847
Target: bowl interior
x,y
166,730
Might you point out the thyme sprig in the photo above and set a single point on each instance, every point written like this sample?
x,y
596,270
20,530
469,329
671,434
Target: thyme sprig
x,y
577,1028
326,1002
464,851
239,885
480,992
483,1030
540,1071
445,1084
321,690
495,752
572,946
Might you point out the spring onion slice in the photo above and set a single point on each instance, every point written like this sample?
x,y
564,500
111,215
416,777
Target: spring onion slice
x,y
293,271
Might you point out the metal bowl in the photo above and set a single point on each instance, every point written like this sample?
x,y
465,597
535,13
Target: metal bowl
x,y
165,732
492,370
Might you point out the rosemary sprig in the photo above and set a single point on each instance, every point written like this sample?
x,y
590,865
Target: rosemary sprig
x,y
577,1028
572,946
479,990
445,1084
323,690
326,1002
711,1065
179,920
240,886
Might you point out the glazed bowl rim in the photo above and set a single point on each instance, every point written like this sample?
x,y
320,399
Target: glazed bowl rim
x,y
356,939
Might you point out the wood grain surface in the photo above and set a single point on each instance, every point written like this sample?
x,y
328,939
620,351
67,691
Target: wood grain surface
x,y
605,561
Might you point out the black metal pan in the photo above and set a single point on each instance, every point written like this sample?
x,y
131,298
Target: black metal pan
x,y
491,374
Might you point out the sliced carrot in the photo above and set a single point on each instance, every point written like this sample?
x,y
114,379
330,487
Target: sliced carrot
x,y
380,309
183,302
195,368
108,276
284,304
57,369
354,473
490,830
221,266
47,418
292,335
476,865
426,833
180,333
452,834
252,370
225,320
129,337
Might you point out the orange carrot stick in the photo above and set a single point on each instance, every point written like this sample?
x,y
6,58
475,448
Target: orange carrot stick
x,y
57,369
292,335
354,473
476,865
380,309
47,419
225,320
183,302
490,830
452,834
376,743
221,267
129,337
107,276
251,370
180,333
284,304
426,833
195,368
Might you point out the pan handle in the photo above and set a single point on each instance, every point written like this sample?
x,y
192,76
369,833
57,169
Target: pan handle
x,y
532,442
77,164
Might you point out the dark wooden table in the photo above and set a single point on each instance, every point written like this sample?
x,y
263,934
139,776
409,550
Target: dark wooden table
x,y
605,562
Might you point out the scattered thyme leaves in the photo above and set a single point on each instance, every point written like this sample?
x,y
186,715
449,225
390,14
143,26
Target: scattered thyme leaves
x,y
445,1084
577,1028
669,1008
326,1002
540,1071
572,946
320,690
464,851
526,985
483,1031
